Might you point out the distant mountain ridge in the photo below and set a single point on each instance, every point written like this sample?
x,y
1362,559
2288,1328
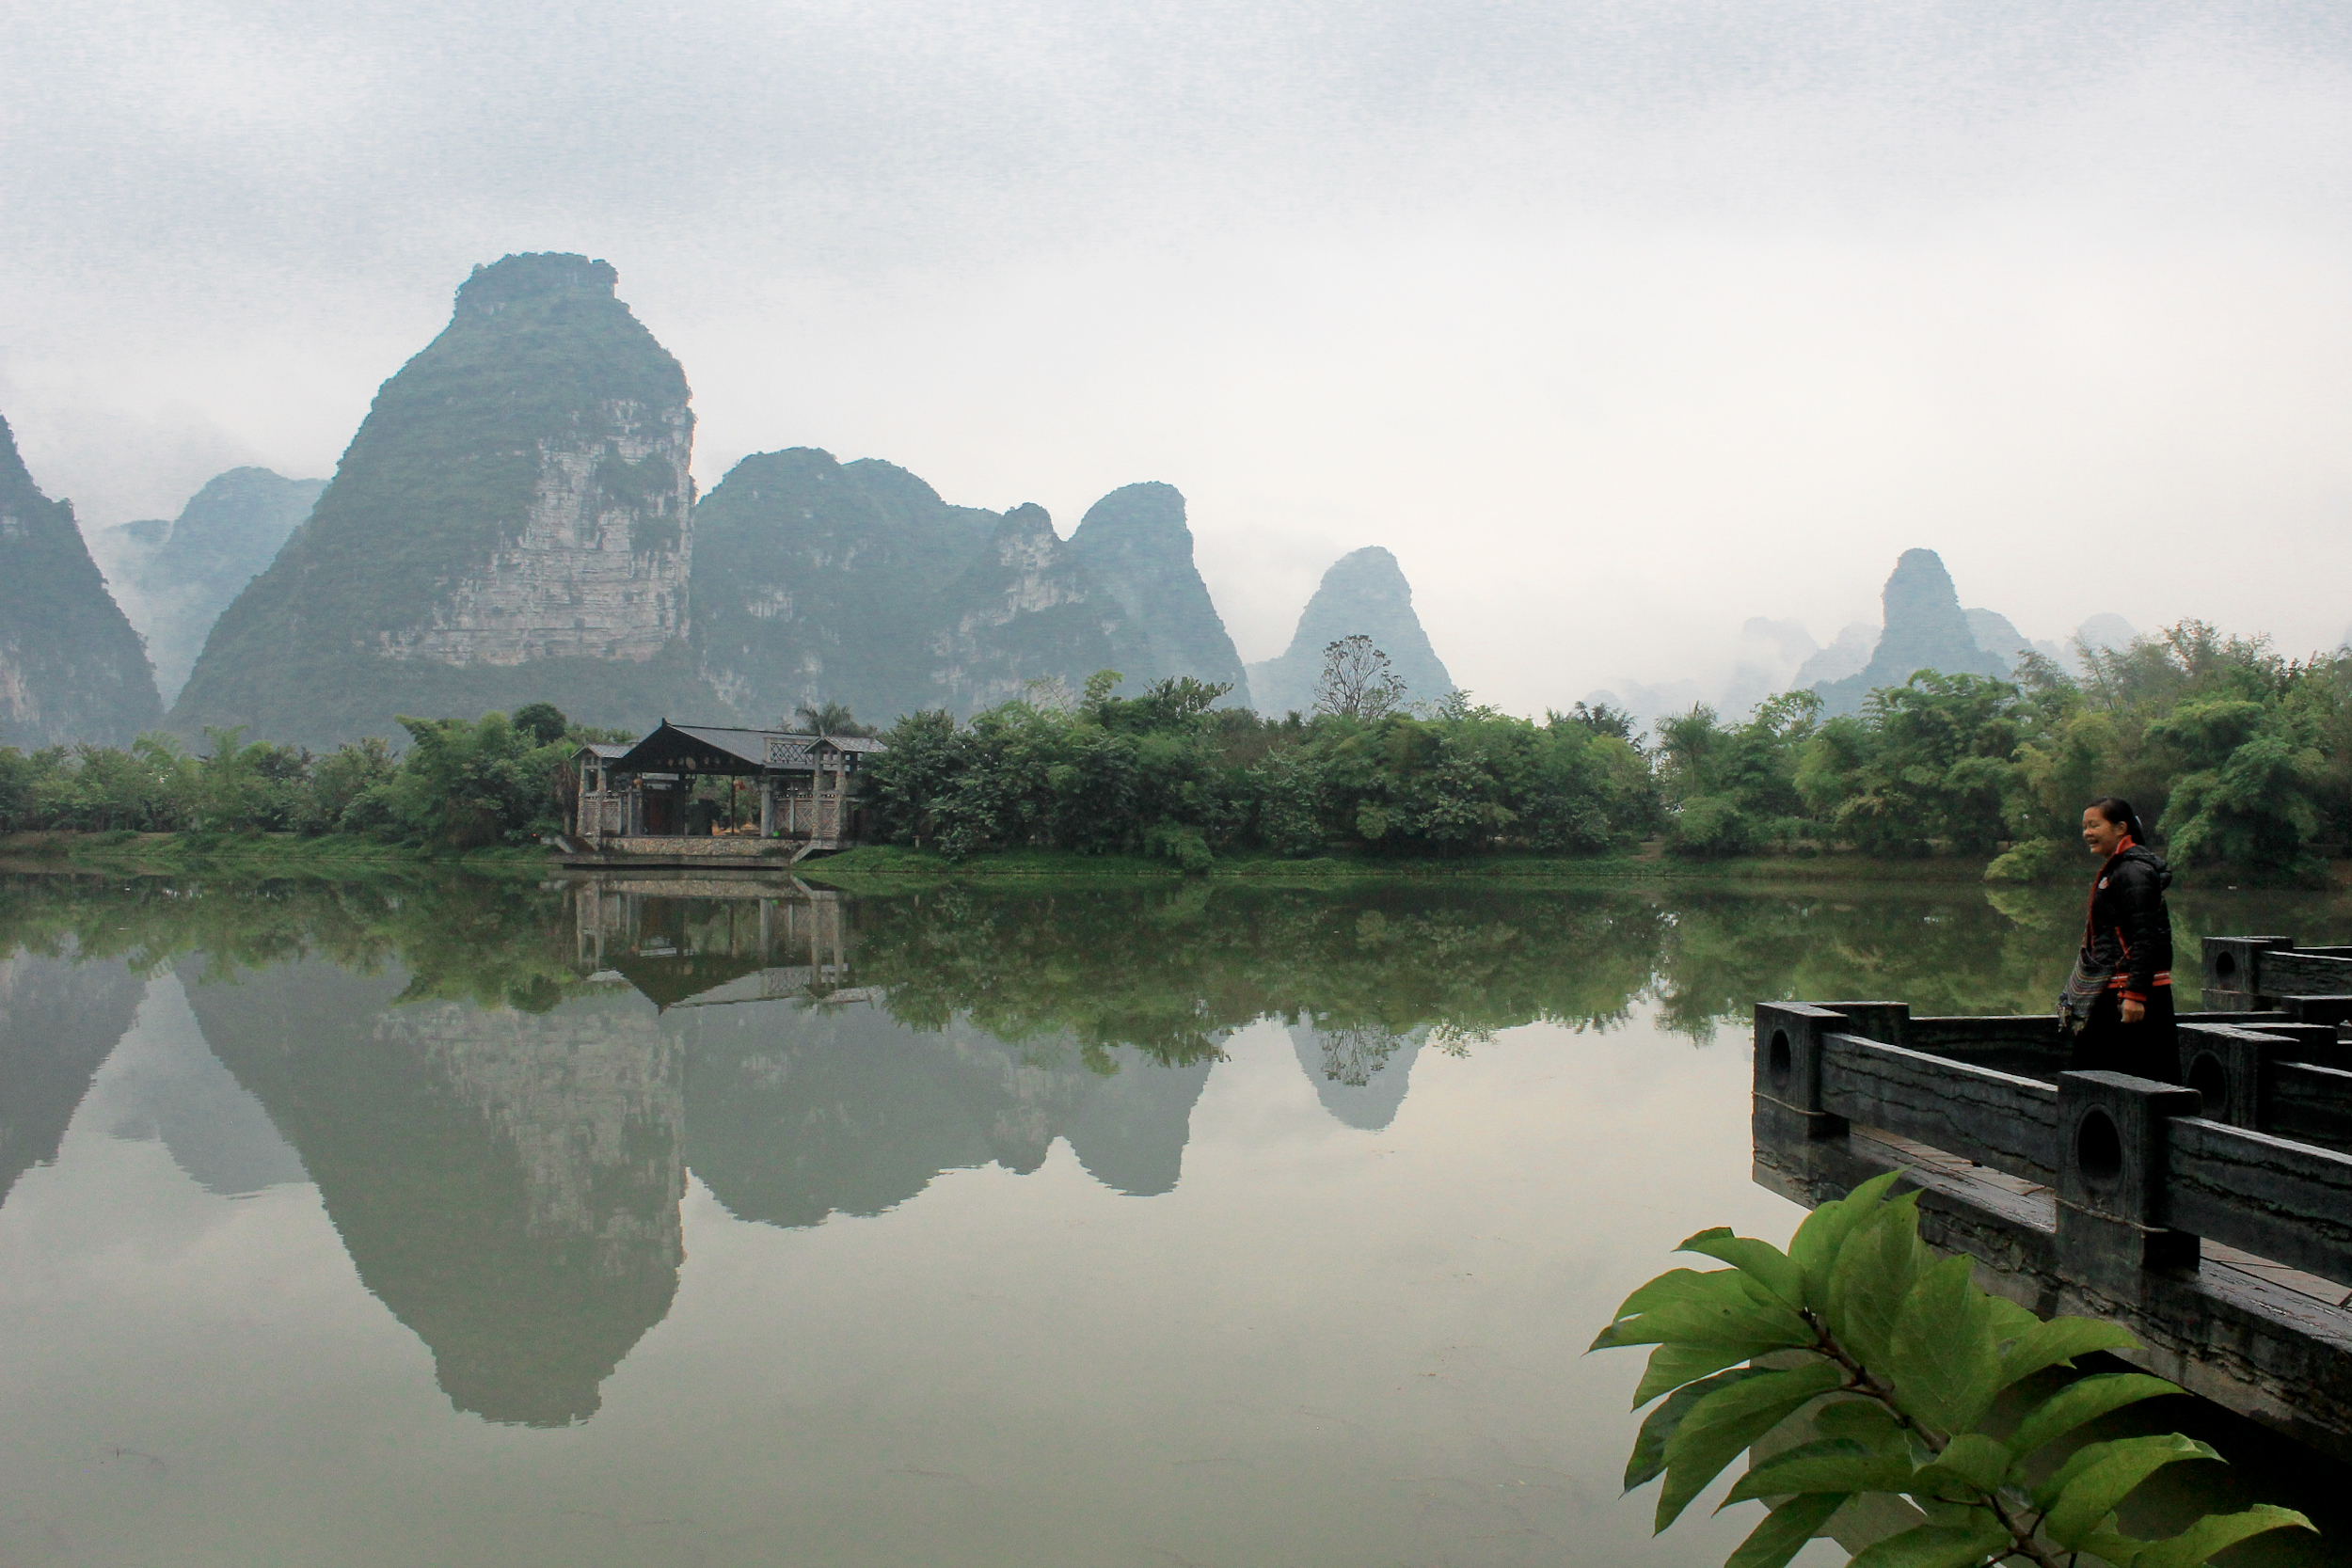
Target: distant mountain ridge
x,y
1363,593
514,521
1925,630
817,581
178,576
72,668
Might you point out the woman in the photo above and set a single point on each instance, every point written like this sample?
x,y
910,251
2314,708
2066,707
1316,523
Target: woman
x,y
2116,1008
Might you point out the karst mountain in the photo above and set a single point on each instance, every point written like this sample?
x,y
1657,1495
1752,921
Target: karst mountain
x,y
174,576
816,580
1364,593
72,668
512,522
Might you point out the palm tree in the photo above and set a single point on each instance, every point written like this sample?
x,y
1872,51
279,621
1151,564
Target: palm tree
x,y
831,718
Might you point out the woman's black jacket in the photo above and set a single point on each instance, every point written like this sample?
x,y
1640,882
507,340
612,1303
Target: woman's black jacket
x,y
2130,930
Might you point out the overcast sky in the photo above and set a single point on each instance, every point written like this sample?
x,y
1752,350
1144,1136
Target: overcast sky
x,y
1619,322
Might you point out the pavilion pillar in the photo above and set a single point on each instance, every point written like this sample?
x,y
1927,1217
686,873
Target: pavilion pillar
x,y
767,806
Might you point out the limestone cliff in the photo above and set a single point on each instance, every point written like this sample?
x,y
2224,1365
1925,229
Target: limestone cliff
x,y
816,581
71,667
1925,630
1027,611
175,578
1136,542
511,522
1363,593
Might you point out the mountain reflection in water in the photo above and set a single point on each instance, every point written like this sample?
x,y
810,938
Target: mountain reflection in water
x,y
501,1089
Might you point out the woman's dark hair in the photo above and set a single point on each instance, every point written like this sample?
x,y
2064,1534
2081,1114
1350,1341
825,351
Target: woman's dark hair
x,y
2116,808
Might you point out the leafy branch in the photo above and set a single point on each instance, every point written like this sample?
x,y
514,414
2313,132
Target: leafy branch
x,y
1898,1358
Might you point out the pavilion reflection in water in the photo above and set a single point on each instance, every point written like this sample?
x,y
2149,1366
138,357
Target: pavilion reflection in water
x,y
508,1179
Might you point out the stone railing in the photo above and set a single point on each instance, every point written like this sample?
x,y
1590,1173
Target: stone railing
x,y
2142,1168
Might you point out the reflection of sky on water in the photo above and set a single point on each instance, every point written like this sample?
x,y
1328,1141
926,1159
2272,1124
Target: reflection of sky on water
x,y
659,1269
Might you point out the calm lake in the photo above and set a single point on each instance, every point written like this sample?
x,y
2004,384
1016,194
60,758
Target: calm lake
x,y
440,1220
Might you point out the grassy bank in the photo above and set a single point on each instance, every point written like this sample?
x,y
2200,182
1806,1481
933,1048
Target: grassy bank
x,y
880,861
257,854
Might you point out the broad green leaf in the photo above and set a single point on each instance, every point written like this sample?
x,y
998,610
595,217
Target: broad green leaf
x,y
2084,1401
1721,1426
1865,1421
1760,1260
2058,1342
1673,1285
1671,1366
1874,1271
1721,1307
2211,1534
1814,1247
1971,1466
2010,1320
2112,1545
1648,1459
1785,1531
1941,1352
1936,1546
1834,1465
2100,1475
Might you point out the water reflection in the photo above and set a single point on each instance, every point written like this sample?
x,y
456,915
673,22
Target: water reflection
x,y
501,1089
58,1020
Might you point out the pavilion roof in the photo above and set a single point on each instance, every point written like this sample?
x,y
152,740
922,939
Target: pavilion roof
x,y
718,749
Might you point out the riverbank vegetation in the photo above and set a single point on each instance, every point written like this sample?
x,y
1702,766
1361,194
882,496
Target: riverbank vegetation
x,y
2238,758
459,786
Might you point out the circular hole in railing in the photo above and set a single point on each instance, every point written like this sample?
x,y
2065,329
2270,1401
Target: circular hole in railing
x,y
2225,966
2098,1148
1777,1056
2207,1076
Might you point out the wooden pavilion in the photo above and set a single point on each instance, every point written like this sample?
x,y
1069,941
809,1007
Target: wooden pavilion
x,y
645,799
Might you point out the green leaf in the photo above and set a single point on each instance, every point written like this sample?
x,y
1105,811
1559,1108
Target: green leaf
x,y
1971,1466
1760,1260
2084,1401
1941,1351
2213,1533
1814,1246
2112,1546
2010,1320
1785,1531
1671,1366
1865,1421
1834,1465
1936,1546
1723,1306
1648,1459
2100,1475
2058,1342
1874,1271
1721,1426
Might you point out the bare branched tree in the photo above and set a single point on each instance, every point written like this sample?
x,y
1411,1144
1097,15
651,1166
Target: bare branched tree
x,y
1357,680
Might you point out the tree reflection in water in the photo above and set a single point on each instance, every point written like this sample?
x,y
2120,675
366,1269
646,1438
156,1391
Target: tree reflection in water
x,y
500,1087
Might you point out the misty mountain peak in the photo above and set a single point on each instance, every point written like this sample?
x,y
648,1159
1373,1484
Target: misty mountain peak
x,y
1138,546
1925,628
536,275
1363,591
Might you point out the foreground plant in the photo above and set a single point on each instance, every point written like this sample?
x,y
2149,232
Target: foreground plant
x,y
1897,1357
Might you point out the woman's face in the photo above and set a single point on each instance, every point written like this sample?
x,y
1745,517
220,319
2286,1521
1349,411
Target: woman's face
x,y
2099,834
